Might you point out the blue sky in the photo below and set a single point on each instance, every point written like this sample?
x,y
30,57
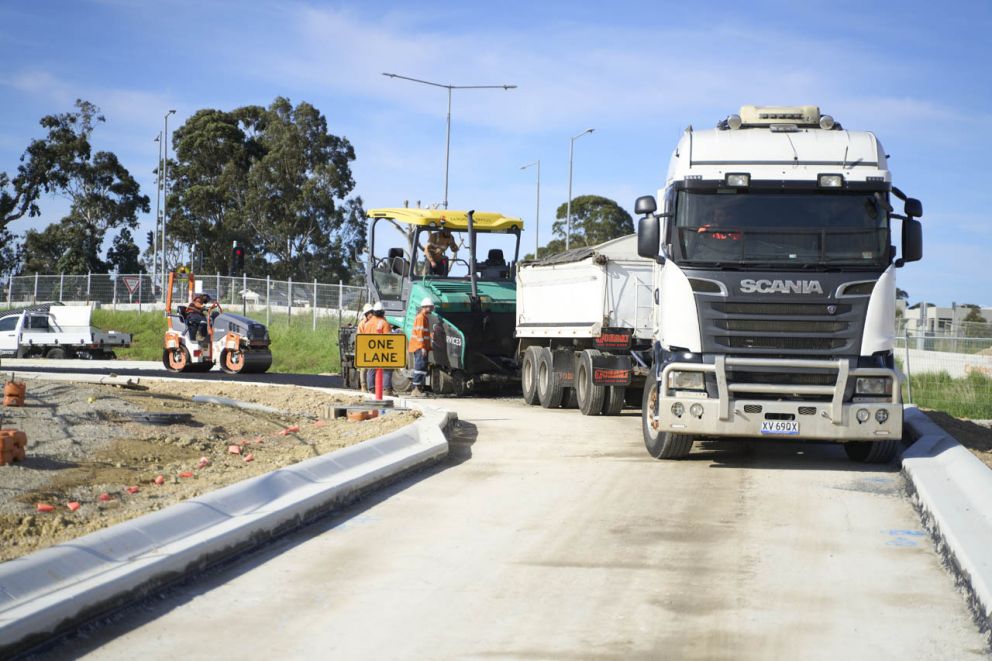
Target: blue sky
x,y
913,72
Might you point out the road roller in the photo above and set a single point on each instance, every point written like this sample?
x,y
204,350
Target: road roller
x,y
200,333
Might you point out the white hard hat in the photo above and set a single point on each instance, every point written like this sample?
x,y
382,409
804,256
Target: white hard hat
x,y
366,308
427,302
377,306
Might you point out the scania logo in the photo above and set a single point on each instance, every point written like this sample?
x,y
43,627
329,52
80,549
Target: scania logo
x,y
749,286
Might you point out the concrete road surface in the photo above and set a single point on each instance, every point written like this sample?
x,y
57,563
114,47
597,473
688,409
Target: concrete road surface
x,y
554,536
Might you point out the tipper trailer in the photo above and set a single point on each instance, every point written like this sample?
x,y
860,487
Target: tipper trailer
x,y
584,327
775,284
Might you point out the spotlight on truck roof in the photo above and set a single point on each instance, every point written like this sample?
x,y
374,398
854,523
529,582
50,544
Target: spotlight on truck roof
x,y
826,122
737,179
830,180
734,121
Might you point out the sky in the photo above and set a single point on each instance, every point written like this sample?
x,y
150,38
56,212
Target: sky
x,y
915,73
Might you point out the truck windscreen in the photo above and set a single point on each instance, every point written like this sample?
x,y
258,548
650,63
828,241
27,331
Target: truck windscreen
x,y
742,229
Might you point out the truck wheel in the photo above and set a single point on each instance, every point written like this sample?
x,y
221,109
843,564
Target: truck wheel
x,y
528,375
589,394
55,354
614,400
176,360
871,452
549,388
660,445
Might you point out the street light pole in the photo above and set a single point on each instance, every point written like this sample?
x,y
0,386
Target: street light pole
x,y
447,136
165,193
158,211
537,213
568,213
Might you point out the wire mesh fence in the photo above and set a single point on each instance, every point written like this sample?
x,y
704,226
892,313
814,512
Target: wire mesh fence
x,y
948,369
277,300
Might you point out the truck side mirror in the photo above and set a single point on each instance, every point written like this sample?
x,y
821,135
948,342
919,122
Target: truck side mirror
x,y
645,205
648,236
914,208
912,240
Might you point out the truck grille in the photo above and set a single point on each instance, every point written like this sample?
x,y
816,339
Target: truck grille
x,y
769,328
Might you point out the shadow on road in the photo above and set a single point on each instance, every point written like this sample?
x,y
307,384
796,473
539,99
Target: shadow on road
x,y
783,455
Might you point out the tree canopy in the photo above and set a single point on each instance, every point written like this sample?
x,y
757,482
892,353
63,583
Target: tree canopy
x,y
102,194
273,179
595,219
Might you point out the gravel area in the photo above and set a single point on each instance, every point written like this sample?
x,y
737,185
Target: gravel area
x,y
86,445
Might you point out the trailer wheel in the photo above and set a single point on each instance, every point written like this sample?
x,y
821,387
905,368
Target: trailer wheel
x,y
660,445
55,353
528,375
176,360
549,388
614,400
871,452
590,395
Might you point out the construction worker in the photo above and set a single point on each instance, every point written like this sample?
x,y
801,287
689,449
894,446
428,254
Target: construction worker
x,y
378,324
437,244
196,320
420,345
363,323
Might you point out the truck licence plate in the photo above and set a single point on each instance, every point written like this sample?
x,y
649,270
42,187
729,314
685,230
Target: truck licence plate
x,y
787,427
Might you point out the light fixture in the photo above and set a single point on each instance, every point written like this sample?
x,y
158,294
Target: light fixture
x,y
830,180
737,179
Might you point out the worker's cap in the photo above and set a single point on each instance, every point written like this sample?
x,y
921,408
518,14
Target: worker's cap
x,y
428,302
377,306
366,308
203,297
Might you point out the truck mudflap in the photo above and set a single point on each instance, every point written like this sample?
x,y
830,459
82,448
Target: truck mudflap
x,y
732,413
611,370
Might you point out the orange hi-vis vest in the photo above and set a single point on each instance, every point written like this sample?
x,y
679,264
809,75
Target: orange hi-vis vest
x,y
420,337
364,325
378,325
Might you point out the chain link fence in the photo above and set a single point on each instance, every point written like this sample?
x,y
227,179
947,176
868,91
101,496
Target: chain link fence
x,y
295,302
948,369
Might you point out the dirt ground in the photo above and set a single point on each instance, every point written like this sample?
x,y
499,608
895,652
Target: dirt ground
x,y
976,435
85,446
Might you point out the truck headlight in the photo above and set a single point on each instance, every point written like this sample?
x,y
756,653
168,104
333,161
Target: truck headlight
x,y
873,385
686,381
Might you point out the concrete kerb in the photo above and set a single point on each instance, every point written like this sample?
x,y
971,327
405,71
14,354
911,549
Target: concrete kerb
x,y
60,587
952,489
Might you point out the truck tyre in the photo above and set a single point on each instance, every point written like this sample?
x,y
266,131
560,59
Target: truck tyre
x,y
660,445
590,396
613,402
871,452
55,353
549,389
528,375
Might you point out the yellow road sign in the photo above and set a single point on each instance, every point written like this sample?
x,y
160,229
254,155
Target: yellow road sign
x,y
387,351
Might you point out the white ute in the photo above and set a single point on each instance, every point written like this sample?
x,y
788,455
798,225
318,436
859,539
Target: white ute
x,y
56,331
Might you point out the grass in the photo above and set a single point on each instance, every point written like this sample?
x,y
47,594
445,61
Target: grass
x,y
970,397
296,347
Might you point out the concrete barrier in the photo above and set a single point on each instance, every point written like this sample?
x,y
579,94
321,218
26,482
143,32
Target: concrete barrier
x,y
952,489
62,586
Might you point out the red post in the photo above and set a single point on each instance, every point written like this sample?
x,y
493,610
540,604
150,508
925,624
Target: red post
x,y
378,383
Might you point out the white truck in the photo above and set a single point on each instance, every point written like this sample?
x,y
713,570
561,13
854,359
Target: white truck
x,y
584,327
56,331
774,279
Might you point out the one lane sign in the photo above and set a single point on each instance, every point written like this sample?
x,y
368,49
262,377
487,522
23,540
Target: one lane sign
x,y
385,351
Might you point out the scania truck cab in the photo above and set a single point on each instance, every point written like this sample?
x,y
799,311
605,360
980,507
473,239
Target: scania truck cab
x,y
775,286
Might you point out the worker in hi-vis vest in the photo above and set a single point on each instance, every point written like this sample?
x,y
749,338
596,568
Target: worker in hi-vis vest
x,y
377,324
420,345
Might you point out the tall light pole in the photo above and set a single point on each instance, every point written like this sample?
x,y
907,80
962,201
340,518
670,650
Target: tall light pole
x,y
158,211
165,193
568,213
537,213
447,137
